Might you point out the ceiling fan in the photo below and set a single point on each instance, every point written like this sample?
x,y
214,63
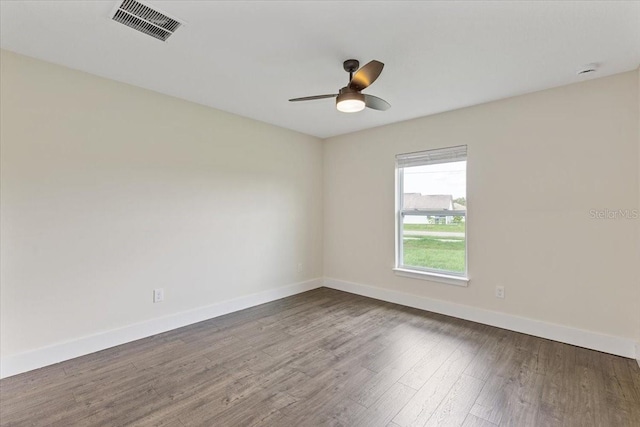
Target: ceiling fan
x,y
350,99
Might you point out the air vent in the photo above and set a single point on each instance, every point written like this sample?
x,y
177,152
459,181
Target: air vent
x,y
145,19
588,69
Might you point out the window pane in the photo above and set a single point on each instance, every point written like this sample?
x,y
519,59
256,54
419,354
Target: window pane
x,y
437,182
434,244
437,241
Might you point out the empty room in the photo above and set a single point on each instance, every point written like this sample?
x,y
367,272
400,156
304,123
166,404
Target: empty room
x,y
319,213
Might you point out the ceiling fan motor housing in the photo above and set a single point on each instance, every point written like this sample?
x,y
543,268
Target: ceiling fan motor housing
x,y
350,100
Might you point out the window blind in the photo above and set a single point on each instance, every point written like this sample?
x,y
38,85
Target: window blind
x,y
432,157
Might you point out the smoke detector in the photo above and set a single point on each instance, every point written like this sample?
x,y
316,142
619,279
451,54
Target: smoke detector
x,y
145,19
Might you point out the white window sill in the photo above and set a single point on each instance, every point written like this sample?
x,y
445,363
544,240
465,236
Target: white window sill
x,y
433,277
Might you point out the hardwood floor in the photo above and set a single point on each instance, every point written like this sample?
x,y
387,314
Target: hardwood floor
x,y
330,358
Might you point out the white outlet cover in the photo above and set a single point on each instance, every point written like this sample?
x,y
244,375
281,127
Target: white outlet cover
x,y
158,295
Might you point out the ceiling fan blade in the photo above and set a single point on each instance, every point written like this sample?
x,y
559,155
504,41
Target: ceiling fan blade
x,y
366,75
311,98
376,103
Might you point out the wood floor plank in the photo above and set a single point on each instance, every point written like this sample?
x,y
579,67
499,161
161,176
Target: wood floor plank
x,y
495,347
337,411
524,400
473,421
32,381
587,398
333,381
454,408
512,390
340,411
425,402
257,408
397,341
329,358
321,394
209,388
420,373
283,346
555,360
385,379
491,414
386,407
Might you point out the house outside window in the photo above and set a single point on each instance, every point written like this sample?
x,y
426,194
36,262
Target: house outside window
x,y
431,213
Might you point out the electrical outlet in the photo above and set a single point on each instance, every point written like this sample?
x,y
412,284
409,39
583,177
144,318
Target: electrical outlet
x,y
500,292
300,267
158,295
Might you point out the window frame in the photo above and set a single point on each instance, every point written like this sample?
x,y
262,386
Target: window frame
x,y
432,274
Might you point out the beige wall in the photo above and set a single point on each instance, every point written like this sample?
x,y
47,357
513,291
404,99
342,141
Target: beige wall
x,y
109,191
537,165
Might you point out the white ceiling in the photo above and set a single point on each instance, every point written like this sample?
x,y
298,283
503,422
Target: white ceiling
x,y
249,58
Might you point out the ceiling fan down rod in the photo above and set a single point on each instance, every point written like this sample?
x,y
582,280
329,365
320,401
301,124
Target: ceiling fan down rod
x,y
350,66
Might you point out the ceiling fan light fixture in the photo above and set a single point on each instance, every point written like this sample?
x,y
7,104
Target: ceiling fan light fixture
x,y
350,98
350,102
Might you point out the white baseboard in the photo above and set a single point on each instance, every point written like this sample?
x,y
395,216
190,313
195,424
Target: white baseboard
x,y
55,353
27,361
596,341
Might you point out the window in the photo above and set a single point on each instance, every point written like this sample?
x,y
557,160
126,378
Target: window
x,y
432,214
